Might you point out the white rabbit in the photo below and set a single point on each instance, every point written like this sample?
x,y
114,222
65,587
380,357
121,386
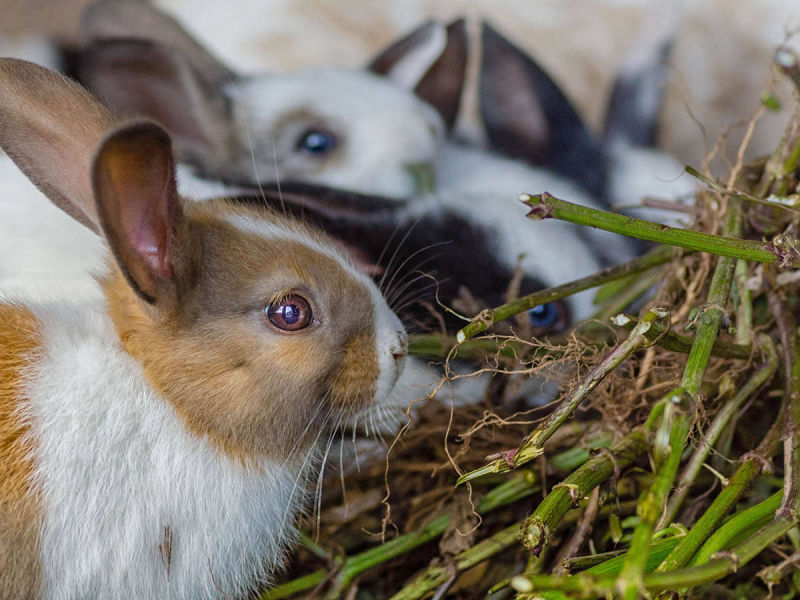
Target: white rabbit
x,y
155,440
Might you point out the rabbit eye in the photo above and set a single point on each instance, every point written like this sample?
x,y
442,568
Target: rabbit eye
x,y
552,316
317,142
290,314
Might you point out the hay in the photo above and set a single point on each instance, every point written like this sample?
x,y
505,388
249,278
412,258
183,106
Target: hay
x,y
662,457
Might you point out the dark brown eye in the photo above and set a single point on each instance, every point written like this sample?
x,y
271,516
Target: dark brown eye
x,y
290,314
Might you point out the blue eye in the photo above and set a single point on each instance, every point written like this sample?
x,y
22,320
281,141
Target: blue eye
x,y
316,142
544,315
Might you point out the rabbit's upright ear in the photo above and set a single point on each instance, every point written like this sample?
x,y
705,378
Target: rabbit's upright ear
x,y
50,127
431,61
140,212
636,100
145,78
135,19
528,117
141,62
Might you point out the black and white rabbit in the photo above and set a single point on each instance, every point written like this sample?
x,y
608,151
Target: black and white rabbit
x,y
155,439
347,128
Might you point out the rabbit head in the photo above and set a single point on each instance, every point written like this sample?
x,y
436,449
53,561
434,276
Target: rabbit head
x,y
351,128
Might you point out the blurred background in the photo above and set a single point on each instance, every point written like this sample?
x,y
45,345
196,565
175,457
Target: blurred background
x,y
721,59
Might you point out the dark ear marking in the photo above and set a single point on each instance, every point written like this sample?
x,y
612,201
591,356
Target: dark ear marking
x,y
637,98
528,117
443,83
431,61
140,20
389,58
133,176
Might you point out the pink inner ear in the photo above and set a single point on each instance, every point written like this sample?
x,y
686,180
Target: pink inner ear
x,y
138,204
148,230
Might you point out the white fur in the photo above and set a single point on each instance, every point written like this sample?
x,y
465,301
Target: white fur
x,y
43,252
648,173
385,129
116,466
485,189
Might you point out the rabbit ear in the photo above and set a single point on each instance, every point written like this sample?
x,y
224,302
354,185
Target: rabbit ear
x,y
50,127
431,61
140,212
528,117
134,19
638,94
143,78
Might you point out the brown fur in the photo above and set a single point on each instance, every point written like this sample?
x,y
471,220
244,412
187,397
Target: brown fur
x,y
19,506
234,379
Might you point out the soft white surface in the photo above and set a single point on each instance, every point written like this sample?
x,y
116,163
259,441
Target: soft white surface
x,y
43,252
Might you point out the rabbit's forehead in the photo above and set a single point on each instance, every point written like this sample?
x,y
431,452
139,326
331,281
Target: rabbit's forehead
x,y
273,256
347,96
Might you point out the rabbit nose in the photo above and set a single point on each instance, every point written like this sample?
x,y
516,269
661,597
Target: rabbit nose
x,y
399,348
423,176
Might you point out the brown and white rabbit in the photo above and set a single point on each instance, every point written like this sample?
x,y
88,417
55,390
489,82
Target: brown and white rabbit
x,y
155,442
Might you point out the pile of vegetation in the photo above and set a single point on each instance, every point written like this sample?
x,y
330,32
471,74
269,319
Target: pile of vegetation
x,y
667,466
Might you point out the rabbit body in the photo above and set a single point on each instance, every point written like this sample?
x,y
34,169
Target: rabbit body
x,y
132,504
156,434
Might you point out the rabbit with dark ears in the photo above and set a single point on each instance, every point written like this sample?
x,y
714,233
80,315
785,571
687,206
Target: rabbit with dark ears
x,y
340,127
156,441
529,118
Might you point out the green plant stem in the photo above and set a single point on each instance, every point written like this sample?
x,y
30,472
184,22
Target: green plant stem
x,y
588,586
436,575
736,194
751,467
675,342
652,501
628,295
735,525
716,428
521,485
678,416
439,346
744,308
780,250
533,445
490,316
536,529
659,550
